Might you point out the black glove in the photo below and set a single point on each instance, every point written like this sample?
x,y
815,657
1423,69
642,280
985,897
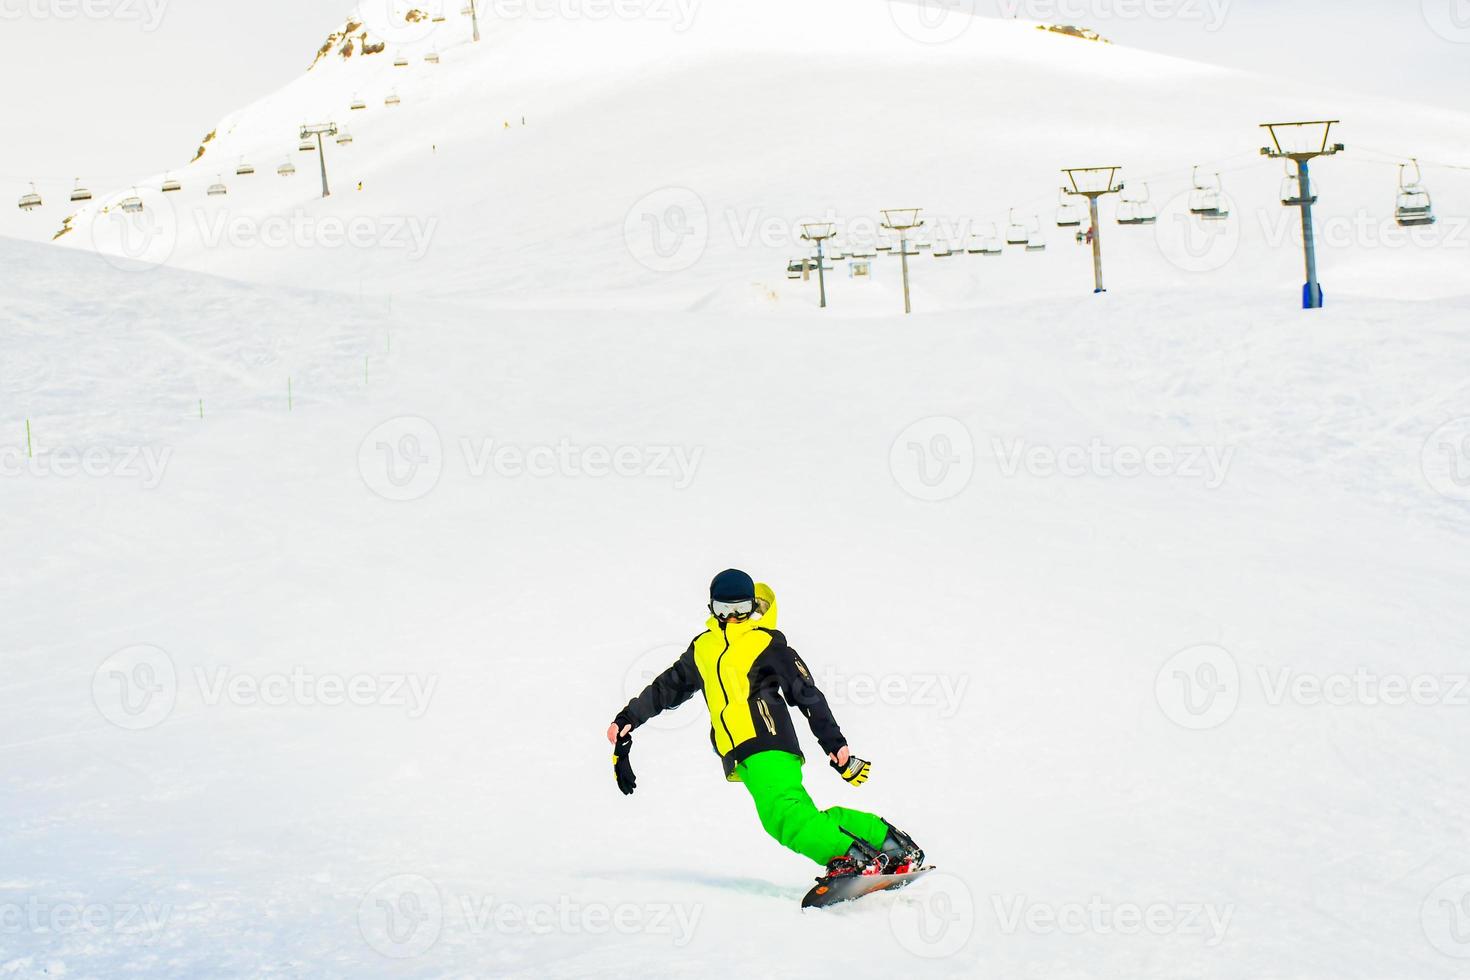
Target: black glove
x,y
856,770
622,766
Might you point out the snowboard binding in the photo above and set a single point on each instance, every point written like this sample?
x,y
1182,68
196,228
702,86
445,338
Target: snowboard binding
x,y
860,859
902,853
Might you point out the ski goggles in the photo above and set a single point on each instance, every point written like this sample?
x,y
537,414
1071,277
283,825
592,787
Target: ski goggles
x,y
740,609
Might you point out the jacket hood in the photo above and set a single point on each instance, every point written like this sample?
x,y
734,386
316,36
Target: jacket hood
x,y
765,613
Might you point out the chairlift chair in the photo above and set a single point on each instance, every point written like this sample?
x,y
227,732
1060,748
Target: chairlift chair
x,y
1069,213
1137,210
392,99
80,193
1414,208
432,57
987,243
30,200
344,138
990,243
287,169
307,146
132,204
1017,233
357,104
171,185
218,188
1034,240
795,268
1291,187
1207,200
400,62
244,169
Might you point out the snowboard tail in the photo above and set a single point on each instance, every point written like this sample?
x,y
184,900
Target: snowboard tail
x,y
833,891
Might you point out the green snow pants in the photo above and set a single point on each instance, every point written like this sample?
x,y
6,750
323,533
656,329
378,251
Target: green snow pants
x,y
789,815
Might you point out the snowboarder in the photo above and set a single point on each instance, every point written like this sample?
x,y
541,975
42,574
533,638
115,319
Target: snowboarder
x,y
744,667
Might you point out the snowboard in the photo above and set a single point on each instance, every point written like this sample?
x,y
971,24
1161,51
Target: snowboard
x,y
836,890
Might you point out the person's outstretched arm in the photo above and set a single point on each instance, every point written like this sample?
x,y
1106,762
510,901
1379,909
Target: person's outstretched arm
x,y
668,690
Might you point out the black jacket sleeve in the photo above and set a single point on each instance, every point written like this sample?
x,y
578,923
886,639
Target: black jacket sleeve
x,y
668,690
802,693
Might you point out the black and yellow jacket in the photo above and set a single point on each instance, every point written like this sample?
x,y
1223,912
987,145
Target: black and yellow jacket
x,y
748,675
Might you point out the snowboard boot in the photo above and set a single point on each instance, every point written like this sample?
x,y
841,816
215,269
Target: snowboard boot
x,y
902,853
860,859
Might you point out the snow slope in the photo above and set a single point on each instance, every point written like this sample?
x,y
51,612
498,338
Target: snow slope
x,y
1006,654
347,529
687,144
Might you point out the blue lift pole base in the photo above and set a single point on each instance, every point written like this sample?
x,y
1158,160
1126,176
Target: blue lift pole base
x,y
1310,301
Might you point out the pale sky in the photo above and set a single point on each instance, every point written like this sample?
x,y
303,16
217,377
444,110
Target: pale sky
x,y
132,92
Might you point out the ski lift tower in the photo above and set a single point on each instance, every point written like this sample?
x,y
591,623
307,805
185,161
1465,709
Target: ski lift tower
x,y
1303,142
320,130
819,232
1092,183
475,19
903,221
